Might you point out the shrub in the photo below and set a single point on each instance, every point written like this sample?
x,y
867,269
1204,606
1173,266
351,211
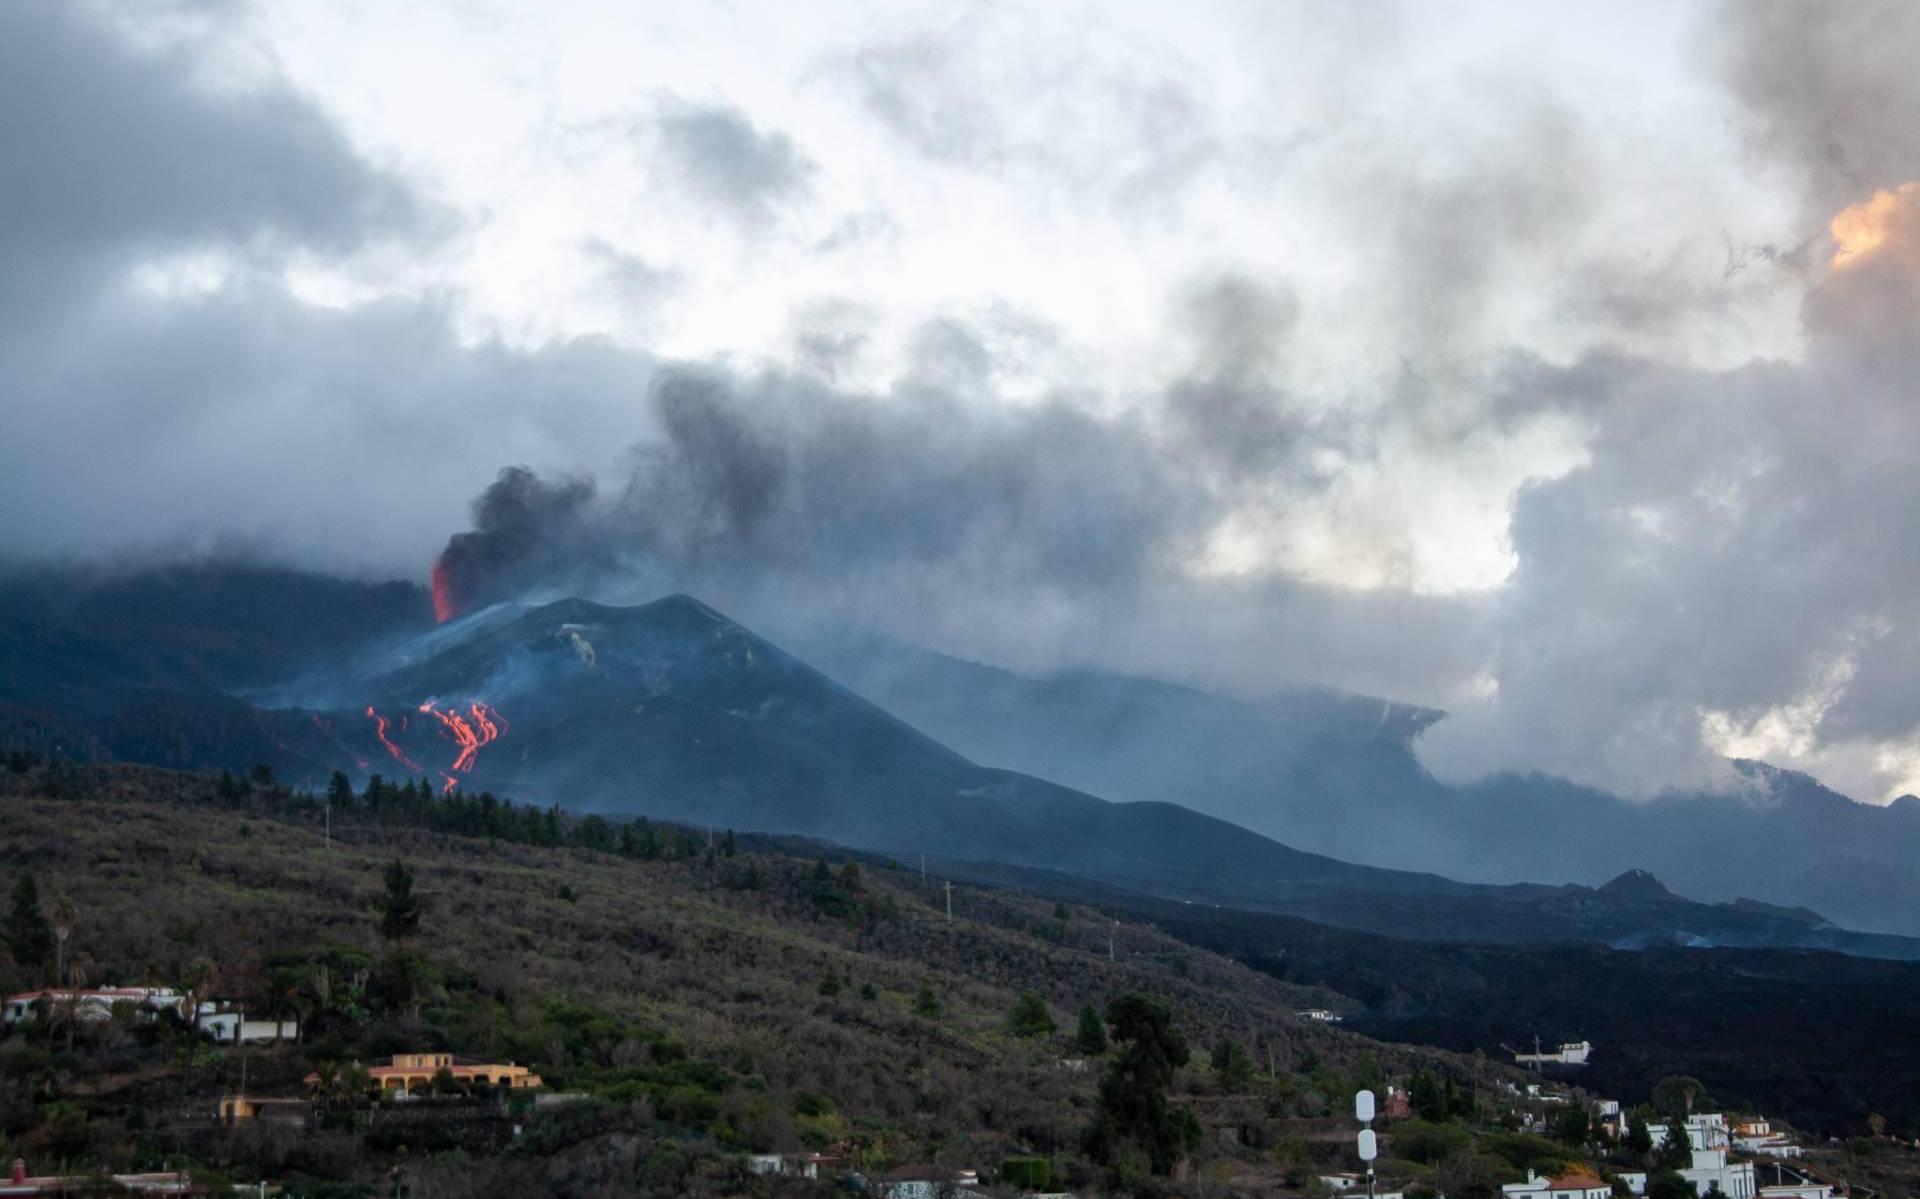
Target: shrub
x,y
1030,1016
1027,1173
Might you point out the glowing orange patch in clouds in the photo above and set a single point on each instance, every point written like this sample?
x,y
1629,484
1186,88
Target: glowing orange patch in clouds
x,y
1861,229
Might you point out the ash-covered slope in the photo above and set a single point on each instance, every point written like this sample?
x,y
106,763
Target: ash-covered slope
x,y
1339,774
671,709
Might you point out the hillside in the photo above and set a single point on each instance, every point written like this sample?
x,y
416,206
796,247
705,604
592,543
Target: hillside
x,y
1340,775
613,976
673,710
1817,1038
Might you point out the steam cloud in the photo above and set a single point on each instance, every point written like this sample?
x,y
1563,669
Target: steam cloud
x,y
1726,567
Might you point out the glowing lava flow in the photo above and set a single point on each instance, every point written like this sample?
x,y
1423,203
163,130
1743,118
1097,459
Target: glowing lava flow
x,y
479,727
380,731
443,609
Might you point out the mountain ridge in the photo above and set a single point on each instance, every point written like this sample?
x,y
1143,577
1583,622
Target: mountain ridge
x,y
675,710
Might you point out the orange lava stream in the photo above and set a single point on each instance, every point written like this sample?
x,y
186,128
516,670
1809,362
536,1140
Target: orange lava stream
x,y
443,605
480,726
380,730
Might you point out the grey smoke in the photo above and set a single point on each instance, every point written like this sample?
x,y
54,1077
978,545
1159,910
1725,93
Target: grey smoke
x,y
1734,535
730,164
1828,92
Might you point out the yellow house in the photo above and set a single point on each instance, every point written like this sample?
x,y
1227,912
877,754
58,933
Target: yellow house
x,y
415,1072
236,1108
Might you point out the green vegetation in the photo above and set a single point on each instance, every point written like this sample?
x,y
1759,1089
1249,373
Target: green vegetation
x,y
1231,1065
1027,1173
399,907
691,1018
1133,1115
1091,1037
1030,1016
1676,1095
29,934
1639,1139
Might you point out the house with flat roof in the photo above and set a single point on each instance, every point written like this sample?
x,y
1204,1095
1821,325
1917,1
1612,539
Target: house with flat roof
x,y
1574,1184
408,1073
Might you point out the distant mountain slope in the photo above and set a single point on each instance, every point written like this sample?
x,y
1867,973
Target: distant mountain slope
x,y
1338,774
1318,768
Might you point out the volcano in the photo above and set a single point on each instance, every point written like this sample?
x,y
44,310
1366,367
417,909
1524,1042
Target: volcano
x,y
674,711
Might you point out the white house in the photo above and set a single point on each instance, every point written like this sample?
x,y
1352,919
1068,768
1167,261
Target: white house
x,y
93,1004
1776,1145
790,1165
229,1025
1807,1189
1705,1130
1569,1053
1757,1137
927,1182
1634,1180
1567,1186
1357,1182
1711,1169
1321,1015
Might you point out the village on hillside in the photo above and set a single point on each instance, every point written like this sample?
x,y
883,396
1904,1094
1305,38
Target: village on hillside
x,y
715,1015
1577,1146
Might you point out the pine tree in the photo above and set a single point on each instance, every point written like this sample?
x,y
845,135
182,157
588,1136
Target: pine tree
x,y
29,933
399,907
1030,1016
1133,1108
1639,1138
1091,1039
1231,1064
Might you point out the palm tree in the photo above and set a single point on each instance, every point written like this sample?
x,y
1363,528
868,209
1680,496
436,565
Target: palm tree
x,y
68,1007
326,1082
201,976
63,921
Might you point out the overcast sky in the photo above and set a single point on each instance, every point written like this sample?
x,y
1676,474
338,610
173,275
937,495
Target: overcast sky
x,y
1555,365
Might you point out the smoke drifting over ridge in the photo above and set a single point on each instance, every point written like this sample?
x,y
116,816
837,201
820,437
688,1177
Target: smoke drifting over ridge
x,y
1723,577
1704,559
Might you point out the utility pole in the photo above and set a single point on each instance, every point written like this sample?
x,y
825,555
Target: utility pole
x,y
329,819
1111,929
949,886
923,868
